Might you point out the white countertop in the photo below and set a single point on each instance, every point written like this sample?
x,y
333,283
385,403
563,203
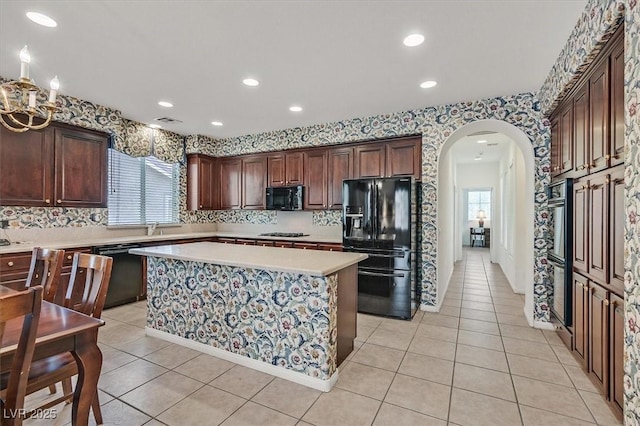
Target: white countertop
x,y
310,262
93,242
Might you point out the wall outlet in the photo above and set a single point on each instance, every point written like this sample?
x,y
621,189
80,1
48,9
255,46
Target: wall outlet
x,y
4,224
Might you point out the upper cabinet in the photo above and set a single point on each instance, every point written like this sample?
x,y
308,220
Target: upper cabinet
x,y
340,162
398,157
370,160
315,179
404,158
230,183
202,182
239,182
254,182
617,104
285,169
587,129
57,166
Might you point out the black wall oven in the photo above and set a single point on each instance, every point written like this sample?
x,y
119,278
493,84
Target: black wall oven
x,y
560,250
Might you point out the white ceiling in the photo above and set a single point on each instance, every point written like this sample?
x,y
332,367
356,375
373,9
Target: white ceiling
x,y
337,59
467,149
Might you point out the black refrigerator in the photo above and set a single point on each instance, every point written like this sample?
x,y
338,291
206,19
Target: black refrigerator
x,y
380,218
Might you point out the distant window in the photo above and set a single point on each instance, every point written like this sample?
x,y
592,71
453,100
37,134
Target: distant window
x,y
142,190
478,200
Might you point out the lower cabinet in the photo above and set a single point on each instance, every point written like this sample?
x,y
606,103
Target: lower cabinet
x,y
598,333
304,245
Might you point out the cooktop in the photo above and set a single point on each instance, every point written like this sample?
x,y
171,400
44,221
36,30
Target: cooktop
x,y
283,234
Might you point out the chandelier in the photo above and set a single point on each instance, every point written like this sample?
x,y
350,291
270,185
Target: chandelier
x,y
20,110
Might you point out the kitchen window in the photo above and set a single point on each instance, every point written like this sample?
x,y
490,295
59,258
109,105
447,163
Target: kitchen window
x,y
142,190
478,200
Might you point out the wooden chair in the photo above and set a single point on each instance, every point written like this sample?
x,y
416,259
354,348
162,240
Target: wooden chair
x,y
46,265
25,303
86,293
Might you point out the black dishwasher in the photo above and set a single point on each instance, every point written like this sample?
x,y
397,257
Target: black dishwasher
x,y
126,274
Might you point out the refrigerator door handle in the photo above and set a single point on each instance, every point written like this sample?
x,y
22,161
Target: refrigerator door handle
x,y
380,274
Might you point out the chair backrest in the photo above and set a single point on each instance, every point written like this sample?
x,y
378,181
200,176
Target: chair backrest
x,y
87,290
45,269
25,303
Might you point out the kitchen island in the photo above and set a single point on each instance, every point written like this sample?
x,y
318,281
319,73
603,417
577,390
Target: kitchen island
x,y
287,312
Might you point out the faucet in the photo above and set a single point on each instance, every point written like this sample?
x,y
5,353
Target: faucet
x,y
151,228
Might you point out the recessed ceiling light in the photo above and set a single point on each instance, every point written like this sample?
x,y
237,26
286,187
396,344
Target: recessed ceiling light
x,y
165,104
41,19
155,126
428,84
295,108
478,158
482,141
413,40
250,82
216,123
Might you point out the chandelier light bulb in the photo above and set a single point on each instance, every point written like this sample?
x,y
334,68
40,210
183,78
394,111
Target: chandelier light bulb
x,y
55,85
25,58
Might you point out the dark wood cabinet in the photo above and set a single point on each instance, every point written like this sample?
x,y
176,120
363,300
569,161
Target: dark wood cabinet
x,y
617,103
254,182
616,228
598,334
581,131
340,168
597,220
202,183
329,247
315,179
230,183
80,168
59,166
370,161
599,116
305,246
580,303
555,146
565,160
285,169
616,352
26,168
580,225
404,158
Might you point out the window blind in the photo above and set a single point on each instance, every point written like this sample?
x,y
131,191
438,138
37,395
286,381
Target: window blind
x,y
142,190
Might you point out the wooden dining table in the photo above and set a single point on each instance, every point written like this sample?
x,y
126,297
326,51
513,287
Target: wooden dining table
x,y
62,330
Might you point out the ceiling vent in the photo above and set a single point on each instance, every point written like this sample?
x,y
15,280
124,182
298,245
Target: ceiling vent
x,y
493,144
168,120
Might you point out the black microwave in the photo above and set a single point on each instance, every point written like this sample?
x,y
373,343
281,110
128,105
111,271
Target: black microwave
x,y
285,197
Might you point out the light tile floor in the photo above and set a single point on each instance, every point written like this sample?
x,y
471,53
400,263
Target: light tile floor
x,y
476,362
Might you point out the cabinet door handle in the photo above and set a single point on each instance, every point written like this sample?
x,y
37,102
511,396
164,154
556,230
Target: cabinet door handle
x,y
10,264
606,302
581,167
607,157
48,201
59,201
586,288
581,285
586,166
607,181
69,257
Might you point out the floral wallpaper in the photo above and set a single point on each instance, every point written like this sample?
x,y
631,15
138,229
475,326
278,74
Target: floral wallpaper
x,y
52,217
632,196
596,25
281,318
327,218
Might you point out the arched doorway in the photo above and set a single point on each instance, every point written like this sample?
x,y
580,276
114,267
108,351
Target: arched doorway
x,y
449,246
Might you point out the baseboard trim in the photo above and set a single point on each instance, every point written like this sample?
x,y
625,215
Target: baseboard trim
x,y
544,325
283,373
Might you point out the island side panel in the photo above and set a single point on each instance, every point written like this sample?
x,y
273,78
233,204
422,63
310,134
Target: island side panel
x,y
281,318
347,310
